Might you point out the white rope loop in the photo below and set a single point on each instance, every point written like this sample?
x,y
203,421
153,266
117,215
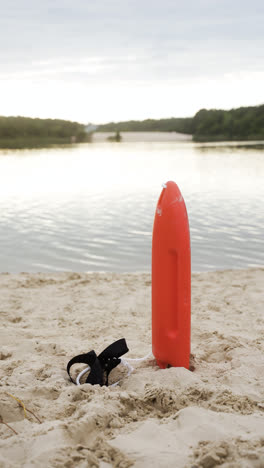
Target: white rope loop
x,y
140,359
123,361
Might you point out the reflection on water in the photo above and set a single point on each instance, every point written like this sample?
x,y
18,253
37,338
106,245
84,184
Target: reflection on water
x,y
91,207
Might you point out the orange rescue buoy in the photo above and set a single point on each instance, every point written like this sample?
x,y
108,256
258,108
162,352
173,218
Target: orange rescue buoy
x,y
171,280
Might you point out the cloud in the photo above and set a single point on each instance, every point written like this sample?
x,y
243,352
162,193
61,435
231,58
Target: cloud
x,y
129,44
61,28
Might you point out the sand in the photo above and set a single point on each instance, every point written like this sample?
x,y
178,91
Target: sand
x,y
213,416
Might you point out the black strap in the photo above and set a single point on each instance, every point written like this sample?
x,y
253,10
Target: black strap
x,y
101,365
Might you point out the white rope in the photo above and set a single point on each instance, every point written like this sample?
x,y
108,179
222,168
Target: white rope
x,y
81,374
140,359
130,370
123,361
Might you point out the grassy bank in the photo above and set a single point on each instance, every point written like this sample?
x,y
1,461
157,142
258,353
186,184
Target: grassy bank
x,y
37,142
226,137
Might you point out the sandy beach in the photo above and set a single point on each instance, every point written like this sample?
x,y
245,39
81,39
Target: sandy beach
x,y
210,417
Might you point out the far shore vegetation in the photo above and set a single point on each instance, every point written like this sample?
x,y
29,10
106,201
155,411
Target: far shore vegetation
x,y
115,138
25,132
244,123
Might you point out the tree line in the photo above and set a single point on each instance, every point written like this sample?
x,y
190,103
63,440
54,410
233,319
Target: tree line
x,y
22,131
244,123
181,125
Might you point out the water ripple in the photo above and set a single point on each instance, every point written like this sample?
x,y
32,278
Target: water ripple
x,y
88,222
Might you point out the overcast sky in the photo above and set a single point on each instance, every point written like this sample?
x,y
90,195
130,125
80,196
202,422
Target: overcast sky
x,y
106,60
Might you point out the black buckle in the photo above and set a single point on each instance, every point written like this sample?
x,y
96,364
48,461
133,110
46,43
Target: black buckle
x,y
101,365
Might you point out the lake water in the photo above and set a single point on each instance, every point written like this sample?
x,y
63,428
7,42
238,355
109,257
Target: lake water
x,y
91,206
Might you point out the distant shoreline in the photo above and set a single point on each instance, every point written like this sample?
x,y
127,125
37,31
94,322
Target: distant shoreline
x,y
31,143
25,132
126,137
138,137
171,136
244,123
